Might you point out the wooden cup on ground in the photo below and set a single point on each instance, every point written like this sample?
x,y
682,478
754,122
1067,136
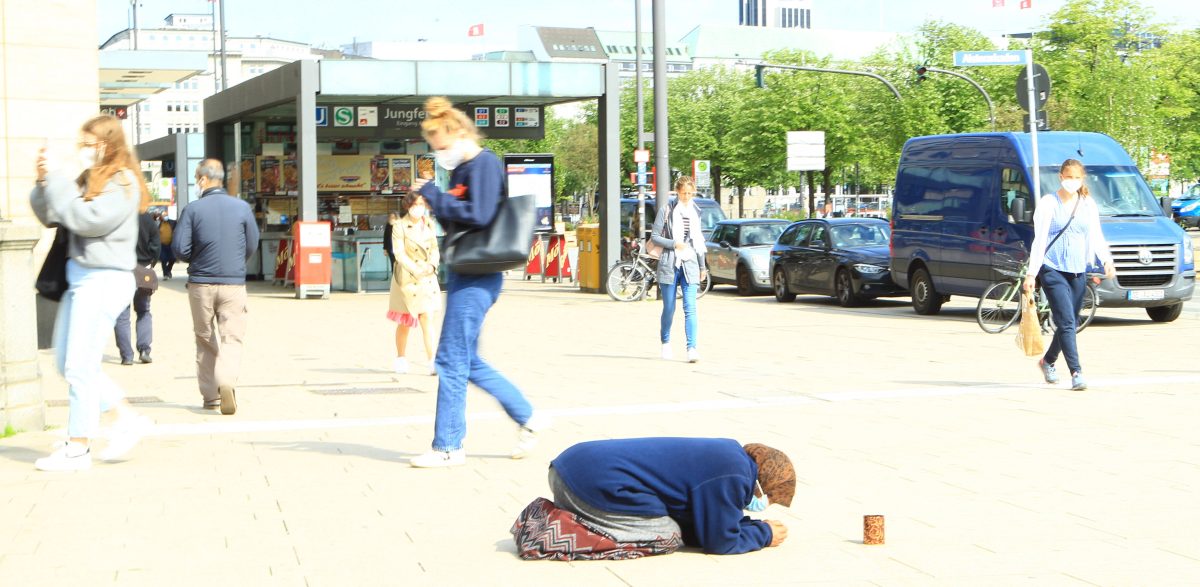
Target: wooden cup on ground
x,y
872,529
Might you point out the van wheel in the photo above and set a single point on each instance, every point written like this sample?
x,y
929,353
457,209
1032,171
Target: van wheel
x,y
1165,313
925,300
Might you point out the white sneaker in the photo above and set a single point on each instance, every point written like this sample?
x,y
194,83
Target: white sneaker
x,y
72,457
527,436
400,365
438,458
693,355
125,435
432,369
666,351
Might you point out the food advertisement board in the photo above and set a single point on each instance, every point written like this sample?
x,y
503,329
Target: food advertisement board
x,y
344,173
402,173
380,170
268,176
291,177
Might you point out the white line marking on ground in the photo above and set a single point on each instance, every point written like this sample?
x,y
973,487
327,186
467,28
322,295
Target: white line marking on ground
x,y
208,428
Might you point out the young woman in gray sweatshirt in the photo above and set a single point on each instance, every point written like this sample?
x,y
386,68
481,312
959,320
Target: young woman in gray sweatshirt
x,y
99,207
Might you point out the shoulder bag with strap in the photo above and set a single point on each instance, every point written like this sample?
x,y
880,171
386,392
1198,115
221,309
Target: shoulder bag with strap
x,y
501,245
653,249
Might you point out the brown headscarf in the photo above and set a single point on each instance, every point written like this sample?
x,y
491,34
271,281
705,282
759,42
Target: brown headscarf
x,y
775,473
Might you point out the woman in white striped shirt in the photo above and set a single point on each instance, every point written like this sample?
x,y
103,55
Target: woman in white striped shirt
x,y
679,232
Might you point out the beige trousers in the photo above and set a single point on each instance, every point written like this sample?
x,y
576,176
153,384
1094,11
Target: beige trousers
x,y
219,321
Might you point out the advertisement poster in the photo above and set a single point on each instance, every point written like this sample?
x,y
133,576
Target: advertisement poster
x,y
249,177
425,167
402,173
268,174
291,177
344,173
533,174
379,175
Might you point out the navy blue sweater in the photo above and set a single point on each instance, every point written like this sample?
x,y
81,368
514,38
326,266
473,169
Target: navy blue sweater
x,y
701,483
215,235
476,187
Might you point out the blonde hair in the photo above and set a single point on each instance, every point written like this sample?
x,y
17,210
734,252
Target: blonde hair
x,y
1076,164
685,180
442,117
116,156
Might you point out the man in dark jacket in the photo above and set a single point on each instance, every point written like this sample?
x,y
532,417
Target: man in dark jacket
x,y
215,235
148,247
648,490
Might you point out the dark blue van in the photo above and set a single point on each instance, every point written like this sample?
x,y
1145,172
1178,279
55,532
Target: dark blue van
x,y
963,207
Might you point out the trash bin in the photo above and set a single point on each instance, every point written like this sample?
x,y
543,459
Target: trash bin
x,y
590,279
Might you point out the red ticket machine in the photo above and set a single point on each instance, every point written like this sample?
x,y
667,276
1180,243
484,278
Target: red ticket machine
x,y
313,258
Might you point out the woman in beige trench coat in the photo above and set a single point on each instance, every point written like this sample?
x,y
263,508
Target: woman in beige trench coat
x,y
414,289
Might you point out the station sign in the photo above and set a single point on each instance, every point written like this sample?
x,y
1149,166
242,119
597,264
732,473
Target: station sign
x,y
343,116
322,116
806,150
980,58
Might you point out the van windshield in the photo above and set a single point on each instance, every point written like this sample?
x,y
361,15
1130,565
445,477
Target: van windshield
x,y
1118,190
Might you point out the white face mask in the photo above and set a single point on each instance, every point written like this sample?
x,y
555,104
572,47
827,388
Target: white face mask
x,y
87,157
454,156
417,212
1072,185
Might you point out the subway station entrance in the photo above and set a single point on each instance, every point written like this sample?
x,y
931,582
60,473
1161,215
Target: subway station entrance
x,y
340,142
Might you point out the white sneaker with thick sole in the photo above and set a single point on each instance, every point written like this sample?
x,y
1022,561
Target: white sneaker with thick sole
x,y
439,458
527,436
693,355
400,365
432,369
72,457
126,433
666,351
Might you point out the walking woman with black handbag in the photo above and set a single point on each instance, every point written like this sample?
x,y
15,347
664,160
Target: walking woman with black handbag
x,y
1071,215
100,208
474,202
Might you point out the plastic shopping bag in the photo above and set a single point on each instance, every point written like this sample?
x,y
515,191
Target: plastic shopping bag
x,y
1029,335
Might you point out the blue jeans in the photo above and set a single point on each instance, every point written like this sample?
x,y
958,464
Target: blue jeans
x,y
145,326
666,291
86,316
468,299
1064,291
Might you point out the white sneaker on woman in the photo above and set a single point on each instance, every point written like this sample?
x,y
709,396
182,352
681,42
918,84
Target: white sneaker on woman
x,y
71,457
666,351
126,433
693,355
400,365
527,436
440,458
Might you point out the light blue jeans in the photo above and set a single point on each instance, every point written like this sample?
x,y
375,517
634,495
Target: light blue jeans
x,y
468,299
667,292
86,315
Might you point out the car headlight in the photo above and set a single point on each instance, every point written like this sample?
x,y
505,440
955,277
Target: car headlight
x,y
867,268
1189,256
1194,206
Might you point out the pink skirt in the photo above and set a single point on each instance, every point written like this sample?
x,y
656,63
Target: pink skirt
x,y
402,318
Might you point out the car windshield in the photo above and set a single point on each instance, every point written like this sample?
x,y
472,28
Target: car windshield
x,y
761,234
710,216
1117,190
1192,193
850,236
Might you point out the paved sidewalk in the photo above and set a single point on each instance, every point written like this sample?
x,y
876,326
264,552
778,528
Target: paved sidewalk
x,y
986,476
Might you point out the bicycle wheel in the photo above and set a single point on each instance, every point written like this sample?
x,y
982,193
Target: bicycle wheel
x,y
999,307
626,281
1087,310
701,288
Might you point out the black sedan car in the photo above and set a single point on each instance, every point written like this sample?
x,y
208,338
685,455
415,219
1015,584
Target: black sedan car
x,y
846,258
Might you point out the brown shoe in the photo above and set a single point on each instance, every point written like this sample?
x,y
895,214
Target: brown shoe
x,y
228,400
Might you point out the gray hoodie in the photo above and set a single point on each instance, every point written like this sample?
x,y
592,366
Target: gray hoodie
x,y
104,231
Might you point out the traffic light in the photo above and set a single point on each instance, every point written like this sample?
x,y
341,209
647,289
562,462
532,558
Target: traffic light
x,y
921,71
759,81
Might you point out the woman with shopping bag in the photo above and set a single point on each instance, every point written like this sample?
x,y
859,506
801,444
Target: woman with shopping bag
x,y
1067,236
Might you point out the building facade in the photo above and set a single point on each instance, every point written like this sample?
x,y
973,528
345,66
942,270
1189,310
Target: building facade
x,y
179,109
785,14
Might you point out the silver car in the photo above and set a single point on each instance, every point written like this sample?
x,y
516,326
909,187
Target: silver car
x,y
739,253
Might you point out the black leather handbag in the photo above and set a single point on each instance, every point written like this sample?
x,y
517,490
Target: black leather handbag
x,y
500,246
52,279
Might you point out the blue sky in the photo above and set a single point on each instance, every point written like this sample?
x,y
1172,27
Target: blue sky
x,y
333,23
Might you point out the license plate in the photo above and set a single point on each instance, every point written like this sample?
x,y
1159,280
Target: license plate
x,y
1146,294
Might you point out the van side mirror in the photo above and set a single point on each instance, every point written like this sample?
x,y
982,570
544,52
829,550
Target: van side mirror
x,y
1019,211
1165,203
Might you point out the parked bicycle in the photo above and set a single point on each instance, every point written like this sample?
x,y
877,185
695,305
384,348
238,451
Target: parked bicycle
x,y
1000,305
630,281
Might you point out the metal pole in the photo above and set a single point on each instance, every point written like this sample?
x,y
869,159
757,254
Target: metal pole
x,y
662,153
224,78
213,12
641,115
133,3
827,70
1033,106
